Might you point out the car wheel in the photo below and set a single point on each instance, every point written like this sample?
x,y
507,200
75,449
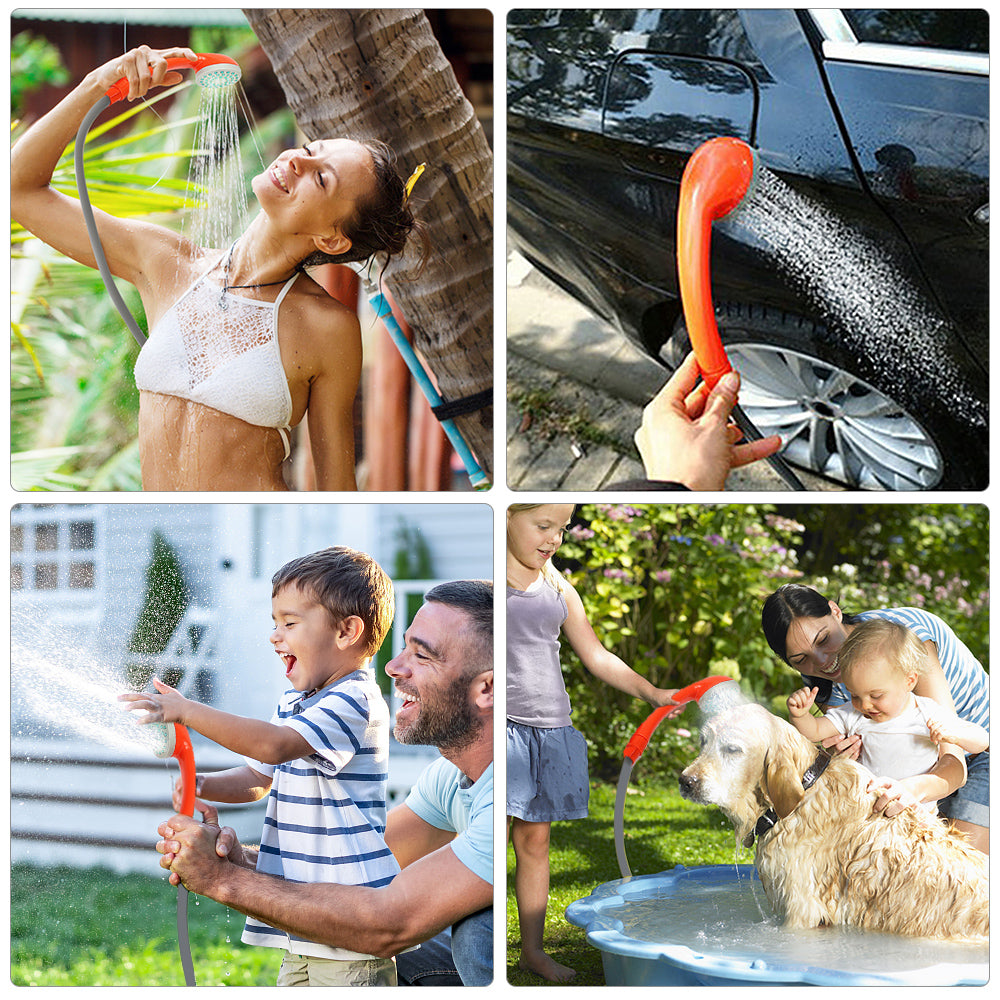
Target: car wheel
x,y
837,425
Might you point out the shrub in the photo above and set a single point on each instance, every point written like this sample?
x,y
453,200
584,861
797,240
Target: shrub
x,y
676,591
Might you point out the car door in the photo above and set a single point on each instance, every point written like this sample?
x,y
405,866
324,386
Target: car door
x,y
911,88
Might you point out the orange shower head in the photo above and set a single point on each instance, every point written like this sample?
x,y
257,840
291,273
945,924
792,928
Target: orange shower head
x,y
716,180
636,746
171,739
211,71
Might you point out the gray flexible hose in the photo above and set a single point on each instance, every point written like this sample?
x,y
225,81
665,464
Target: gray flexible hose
x,y
183,940
620,793
88,216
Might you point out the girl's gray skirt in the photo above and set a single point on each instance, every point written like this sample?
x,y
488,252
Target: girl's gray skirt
x,y
546,773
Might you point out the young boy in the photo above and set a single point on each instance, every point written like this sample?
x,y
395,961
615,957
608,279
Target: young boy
x,y
901,733
323,756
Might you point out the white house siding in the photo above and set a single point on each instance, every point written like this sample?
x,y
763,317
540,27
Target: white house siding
x,y
228,553
461,543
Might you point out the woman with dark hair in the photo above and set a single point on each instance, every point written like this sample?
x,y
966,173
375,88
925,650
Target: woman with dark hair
x,y
243,343
807,631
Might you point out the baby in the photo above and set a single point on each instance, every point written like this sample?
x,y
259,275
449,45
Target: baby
x,y
902,734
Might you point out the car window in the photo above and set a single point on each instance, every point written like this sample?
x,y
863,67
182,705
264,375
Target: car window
x,y
958,30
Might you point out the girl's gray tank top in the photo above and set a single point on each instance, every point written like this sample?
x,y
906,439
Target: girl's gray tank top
x,y
536,692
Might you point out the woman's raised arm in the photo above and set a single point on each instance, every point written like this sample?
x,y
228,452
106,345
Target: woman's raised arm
x,y
57,219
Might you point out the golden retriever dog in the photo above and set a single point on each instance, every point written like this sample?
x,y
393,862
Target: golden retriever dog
x,y
828,859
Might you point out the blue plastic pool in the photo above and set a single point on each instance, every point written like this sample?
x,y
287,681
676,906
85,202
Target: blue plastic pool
x,y
714,927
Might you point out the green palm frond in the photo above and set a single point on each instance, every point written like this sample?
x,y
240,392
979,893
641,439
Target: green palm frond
x,y
40,470
92,152
18,331
120,472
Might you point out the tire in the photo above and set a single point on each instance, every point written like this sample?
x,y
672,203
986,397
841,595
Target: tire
x,y
797,381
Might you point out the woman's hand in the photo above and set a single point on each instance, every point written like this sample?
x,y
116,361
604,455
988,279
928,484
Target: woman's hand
x,y
893,796
846,746
686,436
143,68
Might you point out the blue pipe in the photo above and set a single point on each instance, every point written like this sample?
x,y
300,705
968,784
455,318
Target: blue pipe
x,y
383,311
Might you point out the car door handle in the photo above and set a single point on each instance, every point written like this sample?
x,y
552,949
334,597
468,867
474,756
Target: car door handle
x,y
982,214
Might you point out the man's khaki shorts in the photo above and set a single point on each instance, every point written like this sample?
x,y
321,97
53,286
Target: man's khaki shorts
x,y
305,970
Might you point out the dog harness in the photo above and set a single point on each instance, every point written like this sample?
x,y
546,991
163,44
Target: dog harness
x,y
812,775
220,350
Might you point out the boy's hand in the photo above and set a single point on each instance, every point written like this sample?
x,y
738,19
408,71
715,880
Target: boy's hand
x,y
847,746
799,702
167,705
176,799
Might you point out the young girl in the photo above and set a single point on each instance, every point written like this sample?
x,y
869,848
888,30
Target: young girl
x,y
243,343
546,756
902,735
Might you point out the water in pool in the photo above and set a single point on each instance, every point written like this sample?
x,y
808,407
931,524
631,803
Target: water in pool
x,y
733,918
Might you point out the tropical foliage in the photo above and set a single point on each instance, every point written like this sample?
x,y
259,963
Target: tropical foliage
x,y
34,62
73,401
676,590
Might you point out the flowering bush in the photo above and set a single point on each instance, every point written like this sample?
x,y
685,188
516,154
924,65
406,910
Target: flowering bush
x,y
676,591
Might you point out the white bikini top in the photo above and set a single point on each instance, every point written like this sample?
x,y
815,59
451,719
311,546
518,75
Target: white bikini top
x,y
220,350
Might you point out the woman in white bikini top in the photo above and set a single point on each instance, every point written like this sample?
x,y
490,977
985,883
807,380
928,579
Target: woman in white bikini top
x,y
243,342
220,349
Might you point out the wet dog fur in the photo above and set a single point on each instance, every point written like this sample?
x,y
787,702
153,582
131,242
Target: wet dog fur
x,y
828,860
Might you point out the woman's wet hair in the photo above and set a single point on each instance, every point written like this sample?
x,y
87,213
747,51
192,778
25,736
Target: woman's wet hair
x,y
382,222
785,605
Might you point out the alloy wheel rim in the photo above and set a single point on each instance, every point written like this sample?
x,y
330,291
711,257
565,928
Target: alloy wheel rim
x,y
837,425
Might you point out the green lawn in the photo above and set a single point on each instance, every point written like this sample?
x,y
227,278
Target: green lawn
x,y
662,830
92,927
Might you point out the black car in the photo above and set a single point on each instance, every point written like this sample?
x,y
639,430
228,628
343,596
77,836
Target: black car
x,y
855,308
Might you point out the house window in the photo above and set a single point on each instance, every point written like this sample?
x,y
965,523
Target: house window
x,y
53,548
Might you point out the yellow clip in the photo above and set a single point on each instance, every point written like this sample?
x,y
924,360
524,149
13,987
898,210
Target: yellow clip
x,y
414,177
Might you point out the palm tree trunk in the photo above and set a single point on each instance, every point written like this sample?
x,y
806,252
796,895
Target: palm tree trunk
x,y
381,74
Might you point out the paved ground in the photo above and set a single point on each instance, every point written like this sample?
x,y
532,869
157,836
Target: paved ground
x,y
575,393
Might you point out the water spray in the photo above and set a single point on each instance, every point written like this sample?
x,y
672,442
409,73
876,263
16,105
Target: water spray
x,y
718,692
171,739
211,72
718,178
